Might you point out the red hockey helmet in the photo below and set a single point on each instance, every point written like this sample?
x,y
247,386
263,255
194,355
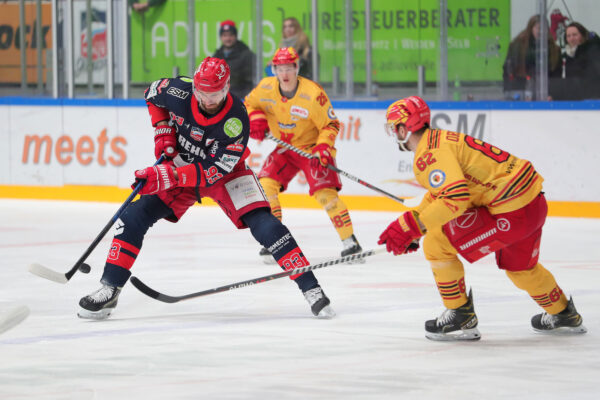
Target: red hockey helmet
x,y
212,75
285,55
411,112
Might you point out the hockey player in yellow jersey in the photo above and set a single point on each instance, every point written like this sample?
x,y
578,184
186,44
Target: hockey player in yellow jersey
x,y
480,200
297,110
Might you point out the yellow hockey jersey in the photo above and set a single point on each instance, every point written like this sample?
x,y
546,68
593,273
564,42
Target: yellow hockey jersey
x,y
303,121
462,172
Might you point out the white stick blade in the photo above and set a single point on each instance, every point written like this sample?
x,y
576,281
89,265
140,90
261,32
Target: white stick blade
x,y
12,317
40,270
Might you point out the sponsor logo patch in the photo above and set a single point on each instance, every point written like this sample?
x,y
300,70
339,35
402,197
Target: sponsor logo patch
x,y
197,134
299,112
233,127
227,162
286,126
176,92
503,224
436,178
236,147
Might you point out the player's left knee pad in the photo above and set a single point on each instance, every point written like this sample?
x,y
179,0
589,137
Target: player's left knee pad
x,y
328,198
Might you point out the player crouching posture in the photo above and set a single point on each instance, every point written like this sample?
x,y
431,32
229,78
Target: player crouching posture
x,y
204,130
480,200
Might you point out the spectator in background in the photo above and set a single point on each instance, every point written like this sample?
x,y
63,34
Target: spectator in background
x,y
294,36
142,6
240,58
519,66
580,77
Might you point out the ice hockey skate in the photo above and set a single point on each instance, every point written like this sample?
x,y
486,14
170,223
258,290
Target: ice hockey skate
x,y
266,256
566,322
99,304
454,324
319,303
351,246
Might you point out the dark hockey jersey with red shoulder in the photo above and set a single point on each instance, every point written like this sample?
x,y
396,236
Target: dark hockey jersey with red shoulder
x,y
217,143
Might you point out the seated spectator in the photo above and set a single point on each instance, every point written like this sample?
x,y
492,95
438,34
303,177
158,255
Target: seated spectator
x,y
240,58
580,78
519,67
294,36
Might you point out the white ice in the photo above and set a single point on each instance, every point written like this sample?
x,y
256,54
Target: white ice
x,y
262,342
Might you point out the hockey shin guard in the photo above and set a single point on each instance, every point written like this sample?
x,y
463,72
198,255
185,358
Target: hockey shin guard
x,y
336,210
272,189
274,236
450,280
130,230
541,286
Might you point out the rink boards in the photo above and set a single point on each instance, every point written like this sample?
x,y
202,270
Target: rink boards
x,y
88,150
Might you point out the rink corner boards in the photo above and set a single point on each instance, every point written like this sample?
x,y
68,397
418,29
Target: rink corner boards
x,y
582,209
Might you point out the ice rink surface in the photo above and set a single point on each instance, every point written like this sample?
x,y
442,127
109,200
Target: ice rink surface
x,y
262,342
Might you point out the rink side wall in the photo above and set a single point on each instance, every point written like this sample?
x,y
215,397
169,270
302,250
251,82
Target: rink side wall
x,y
87,150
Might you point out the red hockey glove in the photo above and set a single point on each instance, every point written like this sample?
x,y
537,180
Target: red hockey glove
x,y
321,156
165,141
158,178
402,235
258,128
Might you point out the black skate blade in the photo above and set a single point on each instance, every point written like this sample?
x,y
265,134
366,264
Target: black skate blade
x,y
463,335
563,331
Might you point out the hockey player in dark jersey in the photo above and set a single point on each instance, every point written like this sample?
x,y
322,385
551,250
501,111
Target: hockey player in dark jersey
x,y
203,130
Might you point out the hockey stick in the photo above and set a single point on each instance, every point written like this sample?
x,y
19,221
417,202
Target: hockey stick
x,y
334,168
13,317
44,272
148,291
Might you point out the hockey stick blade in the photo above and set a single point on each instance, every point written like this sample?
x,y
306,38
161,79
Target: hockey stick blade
x,y
148,291
44,272
80,265
13,317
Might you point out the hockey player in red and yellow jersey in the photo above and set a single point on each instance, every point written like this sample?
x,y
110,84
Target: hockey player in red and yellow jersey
x,y
298,111
480,200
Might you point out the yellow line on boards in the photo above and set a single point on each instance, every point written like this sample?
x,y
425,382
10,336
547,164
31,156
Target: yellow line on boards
x,y
369,203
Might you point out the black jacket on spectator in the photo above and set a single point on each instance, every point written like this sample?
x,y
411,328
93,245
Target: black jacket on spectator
x,y
581,73
241,62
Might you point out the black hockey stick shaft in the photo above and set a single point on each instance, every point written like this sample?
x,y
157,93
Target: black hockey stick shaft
x,y
148,291
110,223
334,168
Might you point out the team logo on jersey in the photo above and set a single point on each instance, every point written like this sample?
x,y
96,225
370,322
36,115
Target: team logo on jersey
x,y
233,127
503,224
299,112
436,178
330,113
176,92
197,133
322,99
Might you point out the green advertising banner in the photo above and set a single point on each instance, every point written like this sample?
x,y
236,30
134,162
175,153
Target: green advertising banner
x,y
405,34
